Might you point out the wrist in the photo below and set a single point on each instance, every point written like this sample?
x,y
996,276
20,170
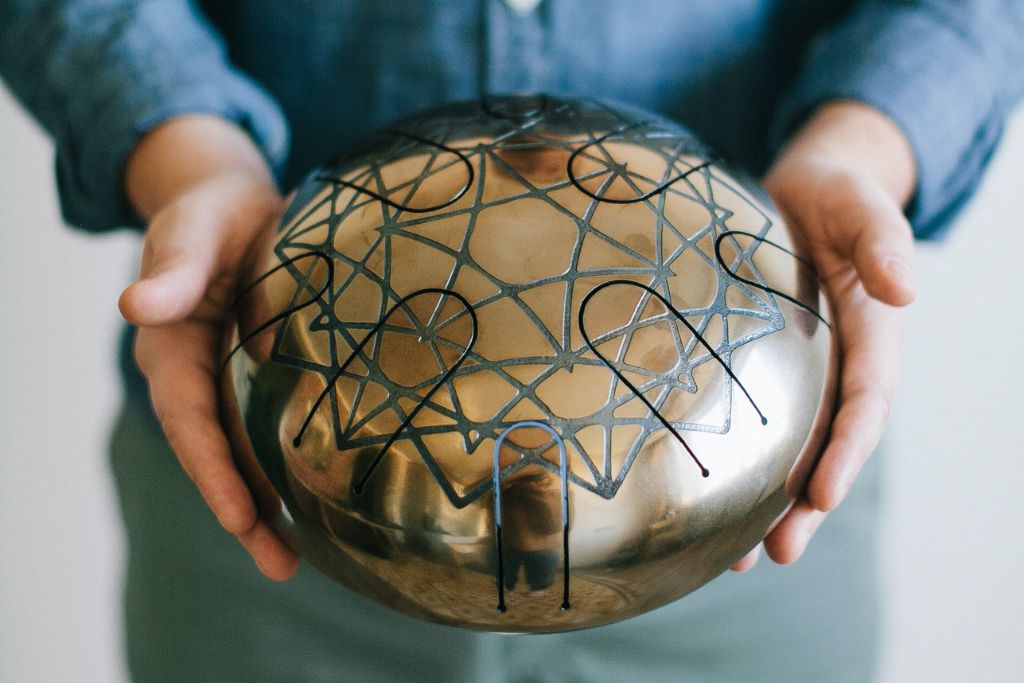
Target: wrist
x,y
186,151
859,140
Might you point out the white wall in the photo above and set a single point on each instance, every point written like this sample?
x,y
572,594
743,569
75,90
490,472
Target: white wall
x,y
955,471
60,540
954,519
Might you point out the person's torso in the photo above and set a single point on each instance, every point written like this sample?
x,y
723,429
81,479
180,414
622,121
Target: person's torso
x,y
340,68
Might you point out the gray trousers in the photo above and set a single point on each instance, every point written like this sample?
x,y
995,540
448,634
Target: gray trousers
x,y
196,607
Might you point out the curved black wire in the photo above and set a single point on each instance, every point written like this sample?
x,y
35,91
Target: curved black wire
x,y
470,175
286,312
758,285
297,441
639,198
636,392
485,106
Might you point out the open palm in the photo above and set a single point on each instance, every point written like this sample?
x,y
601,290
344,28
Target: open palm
x,y
194,248
855,233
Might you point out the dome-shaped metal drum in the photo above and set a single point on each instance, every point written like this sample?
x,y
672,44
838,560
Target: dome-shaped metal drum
x,y
528,364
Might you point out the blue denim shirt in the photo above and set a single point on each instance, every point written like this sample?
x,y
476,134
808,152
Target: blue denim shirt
x,y
307,77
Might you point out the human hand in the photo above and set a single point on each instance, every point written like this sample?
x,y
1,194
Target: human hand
x,y
841,185
206,192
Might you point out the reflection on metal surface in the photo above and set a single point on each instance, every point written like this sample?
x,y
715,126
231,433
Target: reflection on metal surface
x,y
661,186
532,516
401,310
404,205
402,303
636,392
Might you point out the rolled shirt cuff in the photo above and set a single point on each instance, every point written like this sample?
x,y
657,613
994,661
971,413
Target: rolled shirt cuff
x,y
940,88
99,75
90,165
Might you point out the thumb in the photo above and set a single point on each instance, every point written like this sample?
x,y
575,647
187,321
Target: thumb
x,y
179,259
867,227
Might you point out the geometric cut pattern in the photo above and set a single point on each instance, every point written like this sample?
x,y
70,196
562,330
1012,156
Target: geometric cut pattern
x,y
524,206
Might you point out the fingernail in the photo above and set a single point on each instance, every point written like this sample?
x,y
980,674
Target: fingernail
x,y
899,270
900,274
845,483
806,532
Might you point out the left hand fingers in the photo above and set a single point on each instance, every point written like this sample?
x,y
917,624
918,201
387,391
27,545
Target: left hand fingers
x,y
860,224
841,183
788,540
862,247
748,561
871,334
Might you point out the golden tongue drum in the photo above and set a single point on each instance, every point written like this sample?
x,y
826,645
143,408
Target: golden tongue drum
x,y
527,364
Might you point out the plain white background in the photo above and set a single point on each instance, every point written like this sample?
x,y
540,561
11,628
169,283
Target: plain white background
x,y
952,559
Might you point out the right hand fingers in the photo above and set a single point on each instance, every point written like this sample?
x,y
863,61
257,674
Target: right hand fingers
x,y
185,286
179,362
178,262
193,248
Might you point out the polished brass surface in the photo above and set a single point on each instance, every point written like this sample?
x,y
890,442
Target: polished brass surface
x,y
528,364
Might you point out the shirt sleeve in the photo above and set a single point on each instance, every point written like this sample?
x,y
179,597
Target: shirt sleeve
x,y
946,71
98,74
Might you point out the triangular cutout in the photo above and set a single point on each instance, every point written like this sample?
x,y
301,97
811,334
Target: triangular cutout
x,y
547,302
599,254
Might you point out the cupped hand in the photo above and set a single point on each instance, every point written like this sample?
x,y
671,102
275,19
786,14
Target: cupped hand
x,y
841,186
203,219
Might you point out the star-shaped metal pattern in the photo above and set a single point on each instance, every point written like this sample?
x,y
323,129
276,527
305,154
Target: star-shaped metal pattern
x,y
624,200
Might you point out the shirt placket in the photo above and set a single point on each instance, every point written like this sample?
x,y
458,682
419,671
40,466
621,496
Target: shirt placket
x,y
514,44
